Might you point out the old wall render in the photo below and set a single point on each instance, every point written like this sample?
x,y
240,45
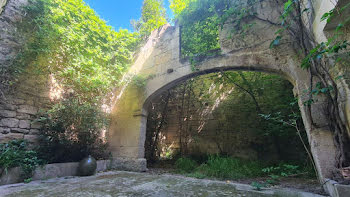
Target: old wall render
x,y
19,104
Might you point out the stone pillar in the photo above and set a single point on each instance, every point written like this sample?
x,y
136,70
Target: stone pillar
x,y
127,131
319,135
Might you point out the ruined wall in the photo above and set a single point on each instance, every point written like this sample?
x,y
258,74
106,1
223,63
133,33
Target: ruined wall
x,y
21,102
207,133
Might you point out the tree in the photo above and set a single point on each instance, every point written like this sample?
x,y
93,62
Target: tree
x,y
153,16
68,40
177,6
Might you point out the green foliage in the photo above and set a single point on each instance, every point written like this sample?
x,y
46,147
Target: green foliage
x,y
220,167
67,39
201,20
71,131
283,170
186,165
287,170
141,80
257,186
233,168
199,28
177,6
153,16
331,48
16,154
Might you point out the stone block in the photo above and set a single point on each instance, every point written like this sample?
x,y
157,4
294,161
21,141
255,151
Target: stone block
x,y
17,130
129,164
4,130
31,138
27,109
7,114
11,136
24,124
35,125
10,122
22,116
34,131
9,106
19,101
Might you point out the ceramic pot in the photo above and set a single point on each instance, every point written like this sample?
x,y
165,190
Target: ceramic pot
x,y
87,166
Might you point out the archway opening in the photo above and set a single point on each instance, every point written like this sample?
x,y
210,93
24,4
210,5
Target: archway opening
x,y
230,125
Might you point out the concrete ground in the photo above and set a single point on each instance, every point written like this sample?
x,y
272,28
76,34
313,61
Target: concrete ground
x,y
124,184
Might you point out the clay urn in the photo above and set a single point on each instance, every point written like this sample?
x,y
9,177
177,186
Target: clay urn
x,y
87,166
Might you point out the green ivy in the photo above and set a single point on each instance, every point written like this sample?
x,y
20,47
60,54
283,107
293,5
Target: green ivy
x,y
67,39
16,154
201,20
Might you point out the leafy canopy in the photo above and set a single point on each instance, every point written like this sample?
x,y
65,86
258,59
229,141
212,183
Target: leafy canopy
x,y
177,6
70,41
153,16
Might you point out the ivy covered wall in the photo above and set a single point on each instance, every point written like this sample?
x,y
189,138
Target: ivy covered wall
x,y
20,104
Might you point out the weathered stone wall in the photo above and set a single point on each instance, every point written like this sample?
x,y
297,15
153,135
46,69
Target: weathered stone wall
x,y
203,134
21,102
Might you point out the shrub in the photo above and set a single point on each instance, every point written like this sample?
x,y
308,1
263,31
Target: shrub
x,y
186,165
15,154
226,167
71,131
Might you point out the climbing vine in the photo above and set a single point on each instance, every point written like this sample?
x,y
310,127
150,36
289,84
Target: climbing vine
x,y
319,61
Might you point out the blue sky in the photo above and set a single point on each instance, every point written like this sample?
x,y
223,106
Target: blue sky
x,y
118,13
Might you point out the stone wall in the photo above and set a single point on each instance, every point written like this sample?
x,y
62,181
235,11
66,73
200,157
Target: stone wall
x,y
207,134
21,102
203,117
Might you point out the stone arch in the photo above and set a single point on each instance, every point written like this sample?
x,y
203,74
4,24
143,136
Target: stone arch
x,y
160,63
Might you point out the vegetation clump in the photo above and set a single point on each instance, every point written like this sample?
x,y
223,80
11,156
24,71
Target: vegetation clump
x,y
71,131
235,168
15,153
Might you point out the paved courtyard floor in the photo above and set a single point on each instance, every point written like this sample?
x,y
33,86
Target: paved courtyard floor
x,y
124,184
